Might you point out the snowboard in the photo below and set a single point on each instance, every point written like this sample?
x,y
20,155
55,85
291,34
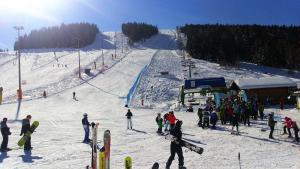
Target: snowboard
x,y
102,158
186,144
94,145
106,141
26,135
128,162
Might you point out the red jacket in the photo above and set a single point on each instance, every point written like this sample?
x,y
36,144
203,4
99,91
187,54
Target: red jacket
x,y
172,118
288,122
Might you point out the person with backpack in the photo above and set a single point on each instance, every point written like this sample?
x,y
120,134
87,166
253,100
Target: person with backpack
x,y
5,133
271,123
25,128
159,122
176,146
129,121
86,127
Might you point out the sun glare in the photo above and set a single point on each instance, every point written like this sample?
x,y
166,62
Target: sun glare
x,y
35,8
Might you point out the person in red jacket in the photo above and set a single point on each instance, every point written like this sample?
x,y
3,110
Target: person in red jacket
x,y
287,125
172,119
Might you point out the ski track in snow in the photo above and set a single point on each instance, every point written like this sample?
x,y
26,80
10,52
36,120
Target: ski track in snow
x,y
57,141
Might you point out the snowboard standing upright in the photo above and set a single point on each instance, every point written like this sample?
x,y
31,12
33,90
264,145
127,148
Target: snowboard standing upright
x,y
186,144
106,140
94,145
26,135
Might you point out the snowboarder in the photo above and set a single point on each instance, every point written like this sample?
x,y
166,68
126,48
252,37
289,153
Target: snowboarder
x,y
287,125
26,128
200,115
5,133
176,146
172,119
159,122
296,130
271,124
205,119
129,121
166,121
86,127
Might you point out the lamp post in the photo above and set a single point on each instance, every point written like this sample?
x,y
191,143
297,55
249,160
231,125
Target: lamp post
x,y
78,42
19,28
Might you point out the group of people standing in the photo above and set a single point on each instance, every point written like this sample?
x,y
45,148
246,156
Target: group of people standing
x,y
5,131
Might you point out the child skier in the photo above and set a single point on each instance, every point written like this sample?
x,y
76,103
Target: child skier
x,y
5,133
166,121
159,122
129,121
86,127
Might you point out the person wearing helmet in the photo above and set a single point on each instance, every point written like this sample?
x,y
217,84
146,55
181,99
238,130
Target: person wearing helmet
x,y
86,127
25,128
176,146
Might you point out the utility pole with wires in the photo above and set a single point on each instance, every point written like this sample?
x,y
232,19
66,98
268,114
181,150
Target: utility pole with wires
x,y
19,92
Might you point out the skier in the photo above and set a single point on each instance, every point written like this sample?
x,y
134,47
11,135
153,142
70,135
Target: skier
x,y
261,110
86,127
74,96
166,121
296,130
200,115
271,124
287,125
172,119
26,128
213,119
176,146
205,119
235,122
129,121
44,94
159,122
5,133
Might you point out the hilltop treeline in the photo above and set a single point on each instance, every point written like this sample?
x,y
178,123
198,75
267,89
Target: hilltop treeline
x,y
277,46
63,36
138,31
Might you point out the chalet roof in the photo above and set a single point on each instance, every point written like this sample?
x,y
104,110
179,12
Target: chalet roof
x,y
265,82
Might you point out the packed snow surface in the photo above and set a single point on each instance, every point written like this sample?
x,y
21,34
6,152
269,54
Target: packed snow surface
x,y
102,95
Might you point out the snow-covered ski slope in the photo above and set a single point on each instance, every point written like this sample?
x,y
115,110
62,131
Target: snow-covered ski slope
x,y
57,141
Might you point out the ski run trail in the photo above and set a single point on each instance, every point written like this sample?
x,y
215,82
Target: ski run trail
x,y
102,95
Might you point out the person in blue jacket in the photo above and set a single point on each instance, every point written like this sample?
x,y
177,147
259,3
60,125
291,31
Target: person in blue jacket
x,y
213,119
86,127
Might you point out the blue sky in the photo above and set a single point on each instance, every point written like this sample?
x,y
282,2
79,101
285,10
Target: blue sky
x,y
110,14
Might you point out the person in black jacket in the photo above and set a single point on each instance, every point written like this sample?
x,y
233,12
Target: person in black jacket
x,y
86,127
129,122
176,146
5,133
25,128
271,123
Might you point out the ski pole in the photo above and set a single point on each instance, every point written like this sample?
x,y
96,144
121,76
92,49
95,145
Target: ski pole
x,y
239,157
